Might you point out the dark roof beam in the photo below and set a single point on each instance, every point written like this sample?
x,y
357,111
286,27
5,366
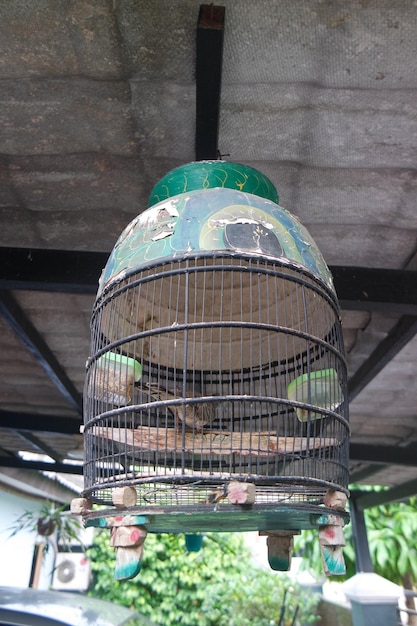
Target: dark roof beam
x,y
372,455
375,289
60,271
41,446
385,455
36,345
64,271
403,331
39,423
369,499
361,474
209,59
41,466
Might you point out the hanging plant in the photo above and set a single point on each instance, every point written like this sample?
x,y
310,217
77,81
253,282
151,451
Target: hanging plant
x,y
47,521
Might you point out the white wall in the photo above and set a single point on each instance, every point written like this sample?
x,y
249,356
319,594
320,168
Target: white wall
x,y
16,553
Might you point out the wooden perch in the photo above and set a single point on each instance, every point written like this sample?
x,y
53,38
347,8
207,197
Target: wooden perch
x,y
331,536
280,544
241,493
127,536
335,499
214,442
80,505
331,541
128,562
124,497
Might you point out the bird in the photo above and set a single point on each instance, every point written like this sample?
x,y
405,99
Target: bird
x,y
194,415
216,496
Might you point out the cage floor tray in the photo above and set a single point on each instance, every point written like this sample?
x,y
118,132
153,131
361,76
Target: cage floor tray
x,y
220,518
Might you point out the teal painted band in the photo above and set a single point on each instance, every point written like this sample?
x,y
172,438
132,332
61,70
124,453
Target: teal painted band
x,y
279,565
224,518
127,571
213,220
210,175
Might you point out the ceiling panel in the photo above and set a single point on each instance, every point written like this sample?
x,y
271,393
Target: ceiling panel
x,y
98,102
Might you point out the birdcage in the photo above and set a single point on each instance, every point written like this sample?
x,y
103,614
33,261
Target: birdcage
x,y
216,382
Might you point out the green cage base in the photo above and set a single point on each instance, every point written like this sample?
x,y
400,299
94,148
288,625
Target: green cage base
x,y
219,518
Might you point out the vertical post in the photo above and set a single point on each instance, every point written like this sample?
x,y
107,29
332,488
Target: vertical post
x,y
208,79
360,537
36,565
374,600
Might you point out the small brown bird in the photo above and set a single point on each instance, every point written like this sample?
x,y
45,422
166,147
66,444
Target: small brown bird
x,y
216,496
195,415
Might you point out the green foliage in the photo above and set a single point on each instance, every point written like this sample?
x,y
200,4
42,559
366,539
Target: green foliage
x,y
47,520
218,586
258,599
392,532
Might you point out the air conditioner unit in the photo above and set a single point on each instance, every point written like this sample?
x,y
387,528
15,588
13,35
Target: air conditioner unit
x,y
72,572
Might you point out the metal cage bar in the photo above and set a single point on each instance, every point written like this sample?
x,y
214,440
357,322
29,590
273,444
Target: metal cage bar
x,y
213,368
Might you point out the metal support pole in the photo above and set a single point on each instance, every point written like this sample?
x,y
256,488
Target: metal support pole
x,y
360,537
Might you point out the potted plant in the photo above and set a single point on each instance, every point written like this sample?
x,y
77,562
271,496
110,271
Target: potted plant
x,y
47,522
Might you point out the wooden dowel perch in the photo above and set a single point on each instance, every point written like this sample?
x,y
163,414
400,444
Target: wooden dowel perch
x,y
171,440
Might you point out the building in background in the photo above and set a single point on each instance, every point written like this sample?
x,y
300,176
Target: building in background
x,y
24,560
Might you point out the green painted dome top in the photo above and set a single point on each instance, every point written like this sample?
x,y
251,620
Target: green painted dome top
x,y
207,212
201,175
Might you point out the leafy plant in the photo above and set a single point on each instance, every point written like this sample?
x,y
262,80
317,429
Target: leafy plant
x,y
264,599
46,521
218,586
392,532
